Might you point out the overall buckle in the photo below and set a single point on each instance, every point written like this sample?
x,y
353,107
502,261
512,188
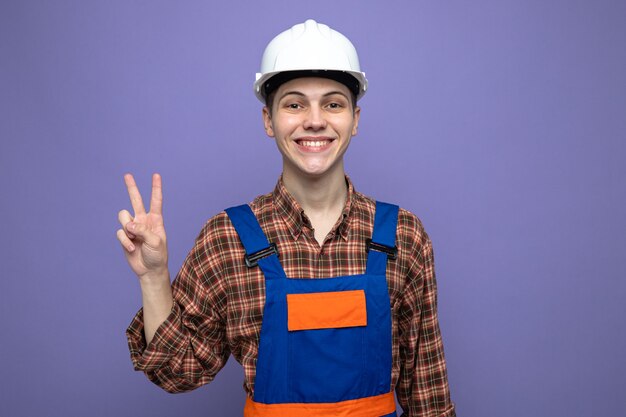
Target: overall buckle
x,y
253,259
391,251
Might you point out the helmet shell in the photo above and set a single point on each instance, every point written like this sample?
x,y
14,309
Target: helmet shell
x,y
309,46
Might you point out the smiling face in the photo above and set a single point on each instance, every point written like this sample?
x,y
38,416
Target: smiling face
x,y
312,121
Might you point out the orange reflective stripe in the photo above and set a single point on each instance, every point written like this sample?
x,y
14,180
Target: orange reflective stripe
x,y
379,405
326,310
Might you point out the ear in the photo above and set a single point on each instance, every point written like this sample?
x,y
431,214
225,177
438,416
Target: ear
x,y
267,122
357,115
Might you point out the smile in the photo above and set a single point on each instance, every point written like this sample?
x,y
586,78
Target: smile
x,y
314,144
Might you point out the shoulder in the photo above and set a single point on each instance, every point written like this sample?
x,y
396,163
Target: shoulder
x,y
217,254
219,228
410,229
412,239
218,235
217,231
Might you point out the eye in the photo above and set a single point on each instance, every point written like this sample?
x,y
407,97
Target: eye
x,y
336,103
292,106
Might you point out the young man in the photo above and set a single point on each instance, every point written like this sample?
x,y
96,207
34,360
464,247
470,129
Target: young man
x,y
326,297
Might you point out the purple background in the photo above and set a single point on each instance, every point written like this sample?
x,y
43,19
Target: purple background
x,y
500,123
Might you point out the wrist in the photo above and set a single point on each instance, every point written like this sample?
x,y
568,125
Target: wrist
x,y
157,297
156,282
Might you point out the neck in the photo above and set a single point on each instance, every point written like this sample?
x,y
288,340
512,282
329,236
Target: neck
x,y
318,195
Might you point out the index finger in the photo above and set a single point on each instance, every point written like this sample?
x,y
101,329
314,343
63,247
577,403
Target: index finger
x,y
156,201
135,196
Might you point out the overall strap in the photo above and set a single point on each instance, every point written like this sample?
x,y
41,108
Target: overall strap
x,y
382,246
258,250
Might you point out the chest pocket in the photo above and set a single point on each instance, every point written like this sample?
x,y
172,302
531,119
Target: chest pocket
x,y
326,310
327,355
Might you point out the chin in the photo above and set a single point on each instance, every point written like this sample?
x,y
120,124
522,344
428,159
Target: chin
x,y
314,168
311,169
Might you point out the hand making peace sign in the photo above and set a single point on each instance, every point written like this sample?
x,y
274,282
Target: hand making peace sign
x,y
143,236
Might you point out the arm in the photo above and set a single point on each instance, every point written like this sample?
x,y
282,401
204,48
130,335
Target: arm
x,y
145,246
176,338
190,347
422,388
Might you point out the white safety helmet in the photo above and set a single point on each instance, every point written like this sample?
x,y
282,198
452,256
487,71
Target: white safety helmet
x,y
309,49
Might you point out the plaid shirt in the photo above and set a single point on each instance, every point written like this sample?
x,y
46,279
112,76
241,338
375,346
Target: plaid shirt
x,y
218,307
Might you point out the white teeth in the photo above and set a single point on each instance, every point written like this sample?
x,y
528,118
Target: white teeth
x,y
313,144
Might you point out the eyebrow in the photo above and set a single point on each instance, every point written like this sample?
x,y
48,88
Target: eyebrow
x,y
298,93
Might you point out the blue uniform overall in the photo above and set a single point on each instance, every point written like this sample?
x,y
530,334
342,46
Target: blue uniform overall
x,y
325,344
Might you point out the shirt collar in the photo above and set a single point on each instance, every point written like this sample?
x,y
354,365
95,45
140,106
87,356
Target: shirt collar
x,y
294,217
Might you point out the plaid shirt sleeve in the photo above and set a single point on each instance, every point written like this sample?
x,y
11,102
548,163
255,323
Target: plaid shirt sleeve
x,y
189,348
422,388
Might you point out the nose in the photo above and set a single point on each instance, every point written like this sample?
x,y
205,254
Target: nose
x,y
315,119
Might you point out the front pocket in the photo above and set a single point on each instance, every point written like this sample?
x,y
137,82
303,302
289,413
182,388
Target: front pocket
x,y
326,310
